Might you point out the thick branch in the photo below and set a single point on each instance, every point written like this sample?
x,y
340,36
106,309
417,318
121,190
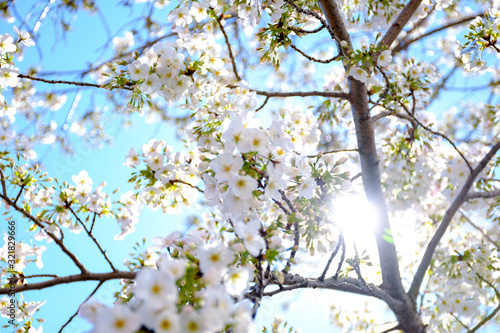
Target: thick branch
x,y
398,24
482,195
347,284
69,279
403,308
450,213
369,162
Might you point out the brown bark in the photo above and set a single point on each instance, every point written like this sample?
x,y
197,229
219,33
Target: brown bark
x,y
401,304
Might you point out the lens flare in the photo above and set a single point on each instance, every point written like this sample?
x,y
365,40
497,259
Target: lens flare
x,y
356,217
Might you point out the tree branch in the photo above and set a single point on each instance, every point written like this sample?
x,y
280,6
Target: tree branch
x,y
482,195
306,32
74,83
335,151
295,281
58,241
76,313
399,23
399,302
308,57
330,94
438,134
178,181
316,16
480,230
402,45
2,180
334,253
369,162
233,61
92,237
485,319
494,312
450,213
69,279
263,104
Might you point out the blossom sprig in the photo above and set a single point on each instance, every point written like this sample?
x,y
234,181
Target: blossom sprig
x,y
25,314
8,48
279,325
272,38
484,32
366,58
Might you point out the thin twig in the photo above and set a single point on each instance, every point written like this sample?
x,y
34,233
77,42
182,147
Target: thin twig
x,y
494,312
480,230
386,90
316,16
41,275
92,237
404,45
20,192
334,253
331,152
438,134
342,257
485,319
296,242
330,94
307,32
459,321
233,61
76,313
2,180
51,235
175,181
327,61
93,222
75,83
280,205
263,104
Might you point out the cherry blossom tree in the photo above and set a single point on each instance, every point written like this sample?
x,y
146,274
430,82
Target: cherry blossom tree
x,y
314,140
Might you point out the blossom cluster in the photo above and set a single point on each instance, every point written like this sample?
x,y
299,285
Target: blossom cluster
x,y
8,73
163,303
483,35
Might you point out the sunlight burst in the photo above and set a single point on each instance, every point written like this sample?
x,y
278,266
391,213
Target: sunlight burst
x,y
356,217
